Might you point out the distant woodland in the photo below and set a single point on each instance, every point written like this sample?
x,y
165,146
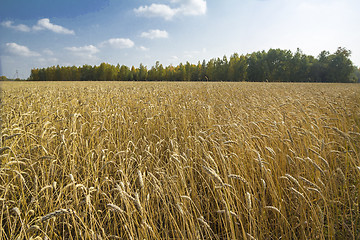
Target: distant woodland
x,y
275,65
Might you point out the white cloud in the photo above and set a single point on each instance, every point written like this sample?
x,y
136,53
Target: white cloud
x,y
156,10
45,24
118,43
85,51
193,7
42,24
185,7
20,27
20,50
155,33
142,48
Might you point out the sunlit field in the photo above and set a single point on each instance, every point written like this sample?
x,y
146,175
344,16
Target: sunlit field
x,y
116,160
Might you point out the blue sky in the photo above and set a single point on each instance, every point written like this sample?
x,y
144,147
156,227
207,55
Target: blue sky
x,y
42,33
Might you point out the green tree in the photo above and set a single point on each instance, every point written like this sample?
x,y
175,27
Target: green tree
x,y
87,73
124,73
3,78
210,70
188,70
142,73
203,71
221,69
299,67
180,73
134,74
273,65
237,68
74,73
42,75
340,66
34,75
355,75
277,62
58,74
170,73
257,70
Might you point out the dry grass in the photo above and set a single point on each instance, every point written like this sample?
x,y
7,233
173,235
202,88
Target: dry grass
x,y
179,161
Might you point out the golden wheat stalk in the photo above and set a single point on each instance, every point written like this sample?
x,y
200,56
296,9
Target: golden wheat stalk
x,y
114,207
214,175
57,213
140,179
233,176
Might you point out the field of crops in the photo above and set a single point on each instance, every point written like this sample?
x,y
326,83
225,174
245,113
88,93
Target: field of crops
x,y
115,160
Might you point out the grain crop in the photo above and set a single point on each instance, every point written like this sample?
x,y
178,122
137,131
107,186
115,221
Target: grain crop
x,y
150,160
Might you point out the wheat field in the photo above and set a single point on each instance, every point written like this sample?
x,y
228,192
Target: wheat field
x,y
115,160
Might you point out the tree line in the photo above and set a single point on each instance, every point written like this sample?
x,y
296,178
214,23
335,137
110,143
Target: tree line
x,y
275,65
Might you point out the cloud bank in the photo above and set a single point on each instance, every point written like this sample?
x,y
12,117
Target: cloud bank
x,y
155,33
20,50
20,27
184,7
87,51
42,24
142,48
118,43
156,10
45,24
